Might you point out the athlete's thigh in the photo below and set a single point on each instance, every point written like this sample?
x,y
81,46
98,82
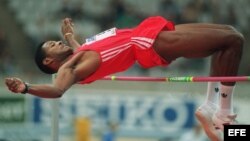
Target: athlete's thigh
x,y
204,25
189,43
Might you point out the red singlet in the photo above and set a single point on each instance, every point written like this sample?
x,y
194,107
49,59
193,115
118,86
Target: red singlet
x,y
120,48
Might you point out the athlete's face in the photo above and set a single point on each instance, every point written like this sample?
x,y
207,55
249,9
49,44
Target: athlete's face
x,y
57,50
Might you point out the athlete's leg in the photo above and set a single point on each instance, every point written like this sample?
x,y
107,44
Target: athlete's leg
x,y
226,107
225,46
204,25
193,43
212,87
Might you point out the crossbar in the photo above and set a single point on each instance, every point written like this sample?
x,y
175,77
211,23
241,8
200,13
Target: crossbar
x,y
179,79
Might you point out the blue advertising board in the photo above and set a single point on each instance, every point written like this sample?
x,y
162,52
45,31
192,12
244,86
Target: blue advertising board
x,y
137,115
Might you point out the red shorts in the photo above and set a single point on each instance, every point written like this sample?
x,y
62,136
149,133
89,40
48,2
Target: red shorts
x,y
146,33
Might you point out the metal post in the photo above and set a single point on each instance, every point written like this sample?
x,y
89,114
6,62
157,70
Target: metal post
x,y
54,117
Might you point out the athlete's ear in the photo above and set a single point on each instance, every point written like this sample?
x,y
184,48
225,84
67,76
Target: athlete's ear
x,y
47,61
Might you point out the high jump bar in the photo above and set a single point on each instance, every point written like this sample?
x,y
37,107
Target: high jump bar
x,y
179,79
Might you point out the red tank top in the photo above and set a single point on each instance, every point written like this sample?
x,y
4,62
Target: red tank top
x,y
115,50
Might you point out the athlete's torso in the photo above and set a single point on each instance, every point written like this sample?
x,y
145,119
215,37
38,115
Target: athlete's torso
x,y
115,51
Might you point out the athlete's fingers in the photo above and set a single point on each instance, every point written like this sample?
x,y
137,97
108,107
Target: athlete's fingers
x,y
12,82
66,21
12,89
67,26
17,84
13,85
9,81
17,80
71,22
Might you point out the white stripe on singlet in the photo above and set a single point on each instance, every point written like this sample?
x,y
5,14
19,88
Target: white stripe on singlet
x,y
139,45
110,53
120,46
148,40
115,53
142,42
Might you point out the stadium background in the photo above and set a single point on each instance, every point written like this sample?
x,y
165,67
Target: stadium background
x,y
139,111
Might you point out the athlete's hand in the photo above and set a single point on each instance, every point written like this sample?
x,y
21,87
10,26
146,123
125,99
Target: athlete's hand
x,y
67,28
15,85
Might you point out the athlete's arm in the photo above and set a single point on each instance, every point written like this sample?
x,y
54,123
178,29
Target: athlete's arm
x,y
68,74
16,85
64,80
68,33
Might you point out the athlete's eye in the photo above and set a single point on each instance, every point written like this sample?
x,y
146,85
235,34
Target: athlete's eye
x,y
52,44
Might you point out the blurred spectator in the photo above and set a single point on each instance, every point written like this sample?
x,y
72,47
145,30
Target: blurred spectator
x,y
192,65
7,63
125,15
232,17
206,14
191,11
110,133
167,139
229,15
2,43
71,9
7,60
170,10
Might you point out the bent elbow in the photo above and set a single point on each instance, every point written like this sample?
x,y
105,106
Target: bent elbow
x,y
59,94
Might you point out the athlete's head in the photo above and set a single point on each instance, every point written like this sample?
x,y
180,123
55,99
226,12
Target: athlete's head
x,y
50,55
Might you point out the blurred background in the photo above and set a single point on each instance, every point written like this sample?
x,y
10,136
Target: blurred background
x,y
104,110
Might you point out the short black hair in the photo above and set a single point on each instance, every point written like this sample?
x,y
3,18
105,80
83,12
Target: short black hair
x,y
39,56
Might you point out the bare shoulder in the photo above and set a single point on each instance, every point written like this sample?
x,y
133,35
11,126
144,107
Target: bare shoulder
x,y
81,65
91,54
90,58
83,60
